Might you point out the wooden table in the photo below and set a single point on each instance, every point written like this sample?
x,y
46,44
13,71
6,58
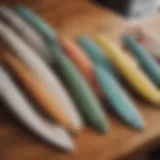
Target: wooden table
x,y
72,17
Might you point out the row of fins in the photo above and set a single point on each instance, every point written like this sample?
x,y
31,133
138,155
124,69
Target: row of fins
x,y
85,75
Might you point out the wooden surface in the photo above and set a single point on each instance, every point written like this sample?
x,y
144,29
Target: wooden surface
x,y
72,17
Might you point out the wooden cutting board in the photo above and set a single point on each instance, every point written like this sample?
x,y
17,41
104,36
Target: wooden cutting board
x,y
70,18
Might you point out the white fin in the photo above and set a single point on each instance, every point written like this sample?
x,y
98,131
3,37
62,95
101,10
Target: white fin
x,y
50,132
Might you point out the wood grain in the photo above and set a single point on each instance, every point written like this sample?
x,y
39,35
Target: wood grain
x,y
70,18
